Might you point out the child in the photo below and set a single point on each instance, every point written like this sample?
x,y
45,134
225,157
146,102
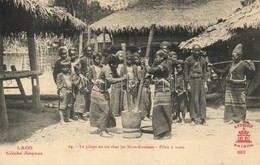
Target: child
x,y
181,103
85,62
116,89
79,87
132,85
74,61
63,51
64,85
73,58
145,100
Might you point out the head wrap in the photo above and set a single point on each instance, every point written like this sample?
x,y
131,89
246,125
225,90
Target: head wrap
x,y
136,55
238,49
165,45
112,59
63,49
119,52
162,54
172,53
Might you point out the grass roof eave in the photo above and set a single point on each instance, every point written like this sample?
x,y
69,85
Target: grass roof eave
x,y
190,19
25,15
243,20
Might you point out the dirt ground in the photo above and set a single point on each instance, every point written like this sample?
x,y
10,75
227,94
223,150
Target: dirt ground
x,y
211,144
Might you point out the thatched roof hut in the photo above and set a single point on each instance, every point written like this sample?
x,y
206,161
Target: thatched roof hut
x,y
28,16
21,15
245,20
189,16
243,26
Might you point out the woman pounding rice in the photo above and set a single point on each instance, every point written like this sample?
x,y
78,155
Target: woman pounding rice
x,y
100,113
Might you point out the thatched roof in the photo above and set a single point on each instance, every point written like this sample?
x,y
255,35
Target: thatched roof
x,y
25,15
175,16
245,19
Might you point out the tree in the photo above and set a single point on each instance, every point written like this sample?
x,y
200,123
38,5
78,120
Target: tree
x,y
87,12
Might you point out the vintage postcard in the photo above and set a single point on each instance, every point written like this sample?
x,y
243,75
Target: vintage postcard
x,y
130,82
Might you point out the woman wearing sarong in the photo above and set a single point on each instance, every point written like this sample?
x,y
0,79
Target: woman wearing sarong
x,y
235,99
117,89
100,113
162,114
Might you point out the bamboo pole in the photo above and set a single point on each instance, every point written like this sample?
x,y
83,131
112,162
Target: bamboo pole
x,y
3,110
35,78
226,62
147,53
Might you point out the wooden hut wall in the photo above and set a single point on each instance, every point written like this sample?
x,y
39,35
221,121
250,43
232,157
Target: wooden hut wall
x,y
251,50
133,39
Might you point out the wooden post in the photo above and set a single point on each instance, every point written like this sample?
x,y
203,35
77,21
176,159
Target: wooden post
x,y
3,110
20,86
111,38
35,78
96,43
104,39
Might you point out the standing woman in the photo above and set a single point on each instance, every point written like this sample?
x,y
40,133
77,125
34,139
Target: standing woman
x,y
162,114
116,89
235,99
100,112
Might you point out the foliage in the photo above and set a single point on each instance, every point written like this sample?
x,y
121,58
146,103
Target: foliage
x,y
87,12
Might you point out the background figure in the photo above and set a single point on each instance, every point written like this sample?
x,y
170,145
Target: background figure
x,y
131,87
235,100
79,88
195,77
171,61
117,89
145,100
63,53
181,101
73,55
74,58
215,92
85,62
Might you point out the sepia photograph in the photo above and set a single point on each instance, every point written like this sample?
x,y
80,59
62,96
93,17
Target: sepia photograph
x,y
130,82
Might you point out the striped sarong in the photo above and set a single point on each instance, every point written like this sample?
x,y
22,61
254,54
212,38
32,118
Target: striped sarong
x,y
235,103
116,97
162,113
100,112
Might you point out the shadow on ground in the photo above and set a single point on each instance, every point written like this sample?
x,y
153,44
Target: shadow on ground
x,y
23,122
